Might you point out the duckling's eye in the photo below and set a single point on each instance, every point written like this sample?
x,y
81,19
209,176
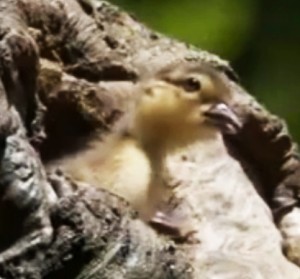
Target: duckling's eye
x,y
191,84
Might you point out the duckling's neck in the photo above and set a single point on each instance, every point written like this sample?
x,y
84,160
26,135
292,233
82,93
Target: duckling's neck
x,y
161,145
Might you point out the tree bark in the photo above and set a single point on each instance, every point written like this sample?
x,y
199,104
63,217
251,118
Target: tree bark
x,y
67,69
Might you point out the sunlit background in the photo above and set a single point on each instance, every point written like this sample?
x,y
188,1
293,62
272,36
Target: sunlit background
x,y
261,38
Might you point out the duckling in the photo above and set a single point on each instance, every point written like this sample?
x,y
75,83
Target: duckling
x,y
174,108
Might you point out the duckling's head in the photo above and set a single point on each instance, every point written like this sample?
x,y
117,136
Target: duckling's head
x,y
182,104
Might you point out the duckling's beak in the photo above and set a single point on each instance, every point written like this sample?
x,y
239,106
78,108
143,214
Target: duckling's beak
x,y
224,118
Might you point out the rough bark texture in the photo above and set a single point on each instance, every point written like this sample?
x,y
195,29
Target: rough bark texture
x,y
67,69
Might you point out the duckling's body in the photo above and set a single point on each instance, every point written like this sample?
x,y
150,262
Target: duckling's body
x,y
125,170
175,109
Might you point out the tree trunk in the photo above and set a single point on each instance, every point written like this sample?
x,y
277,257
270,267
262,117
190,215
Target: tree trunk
x,y
67,70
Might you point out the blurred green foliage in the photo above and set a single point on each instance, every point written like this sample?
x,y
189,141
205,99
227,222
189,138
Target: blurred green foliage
x,y
261,38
